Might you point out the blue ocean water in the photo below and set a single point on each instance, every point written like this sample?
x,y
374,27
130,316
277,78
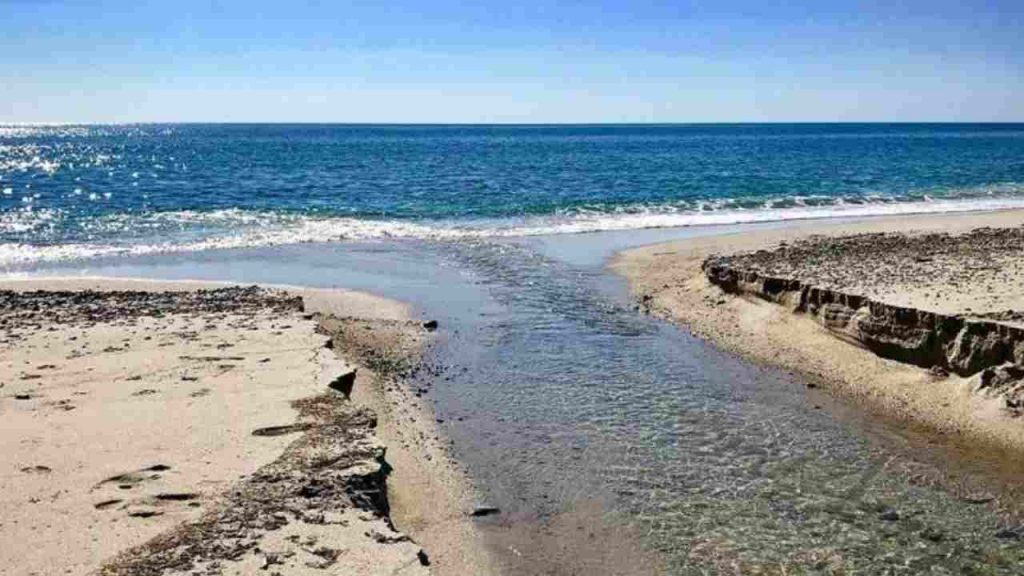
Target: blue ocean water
x,y
80,191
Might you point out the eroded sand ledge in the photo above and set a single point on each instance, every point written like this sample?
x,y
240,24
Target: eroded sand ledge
x,y
161,430
990,341
940,302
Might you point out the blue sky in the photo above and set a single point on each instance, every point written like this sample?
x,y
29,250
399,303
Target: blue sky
x,y
511,61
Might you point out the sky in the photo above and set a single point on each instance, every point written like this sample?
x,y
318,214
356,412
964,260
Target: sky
x,y
511,61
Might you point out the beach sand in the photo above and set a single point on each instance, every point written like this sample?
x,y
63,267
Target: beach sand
x,y
905,268
168,431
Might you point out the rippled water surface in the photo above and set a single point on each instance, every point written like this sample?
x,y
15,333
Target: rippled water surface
x,y
558,395
721,465
84,191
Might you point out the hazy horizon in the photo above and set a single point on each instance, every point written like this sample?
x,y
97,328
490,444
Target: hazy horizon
x,y
609,62
518,124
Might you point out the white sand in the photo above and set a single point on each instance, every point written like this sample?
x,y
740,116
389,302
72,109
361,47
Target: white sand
x,y
133,427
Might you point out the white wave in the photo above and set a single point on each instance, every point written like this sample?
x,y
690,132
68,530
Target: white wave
x,y
241,229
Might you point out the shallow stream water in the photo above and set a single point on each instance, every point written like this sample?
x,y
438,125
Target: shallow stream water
x,y
575,413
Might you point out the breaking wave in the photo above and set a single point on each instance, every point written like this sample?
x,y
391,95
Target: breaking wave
x,y
190,231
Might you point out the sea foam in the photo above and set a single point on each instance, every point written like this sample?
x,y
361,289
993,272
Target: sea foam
x,y
192,231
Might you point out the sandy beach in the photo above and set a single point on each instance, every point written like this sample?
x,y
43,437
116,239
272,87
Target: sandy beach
x,y
186,428
864,309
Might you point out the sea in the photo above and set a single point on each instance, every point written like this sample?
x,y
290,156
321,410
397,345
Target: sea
x,y
71,192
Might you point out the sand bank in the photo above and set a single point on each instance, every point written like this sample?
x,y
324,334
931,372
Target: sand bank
x,y
169,431
916,265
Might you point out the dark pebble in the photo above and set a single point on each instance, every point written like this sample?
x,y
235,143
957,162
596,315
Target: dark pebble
x,y
889,516
484,511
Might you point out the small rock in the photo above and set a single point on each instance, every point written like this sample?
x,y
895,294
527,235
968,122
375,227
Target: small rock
x,y
107,504
344,383
325,558
430,325
270,559
889,515
1008,534
143,511
485,511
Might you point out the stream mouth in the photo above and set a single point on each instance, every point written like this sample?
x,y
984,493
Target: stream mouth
x,y
568,397
614,443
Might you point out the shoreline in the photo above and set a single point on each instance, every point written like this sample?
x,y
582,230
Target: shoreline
x,y
424,497
429,495
669,280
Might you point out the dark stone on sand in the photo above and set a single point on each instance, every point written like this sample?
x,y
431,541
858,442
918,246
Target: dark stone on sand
x,y
481,511
144,512
344,383
385,539
430,325
281,430
889,516
1009,534
107,504
423,558
177,496
1007,382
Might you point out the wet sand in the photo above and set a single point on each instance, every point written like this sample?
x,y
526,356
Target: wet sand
x,y
942,264
153,429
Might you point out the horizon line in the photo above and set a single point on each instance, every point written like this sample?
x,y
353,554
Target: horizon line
x,y
349,123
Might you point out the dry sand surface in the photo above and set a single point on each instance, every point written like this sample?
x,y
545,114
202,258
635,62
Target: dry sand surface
x,y
978,275
168,431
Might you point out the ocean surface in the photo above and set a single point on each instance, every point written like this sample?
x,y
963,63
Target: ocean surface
x,y
71,192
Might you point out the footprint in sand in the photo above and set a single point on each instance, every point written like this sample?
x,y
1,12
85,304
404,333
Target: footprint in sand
x,y
129,480
154,505
144,505
281,430
37,469
107,504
